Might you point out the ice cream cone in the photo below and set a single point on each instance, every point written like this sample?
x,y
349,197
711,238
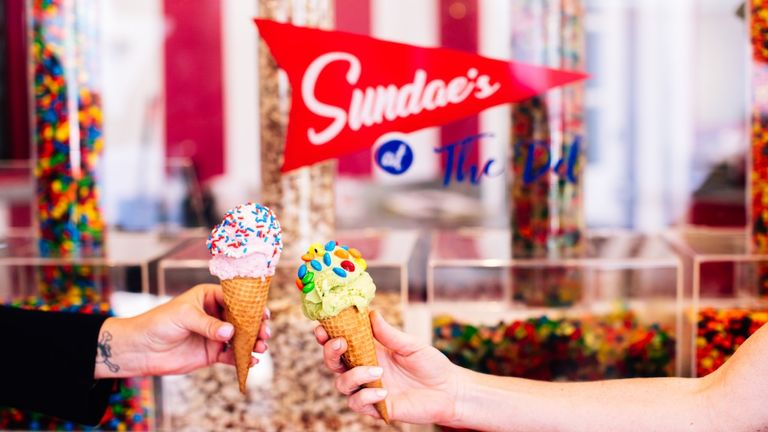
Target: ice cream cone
x,y
244,303
355,327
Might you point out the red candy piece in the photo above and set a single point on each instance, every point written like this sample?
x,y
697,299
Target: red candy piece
x,y
348,266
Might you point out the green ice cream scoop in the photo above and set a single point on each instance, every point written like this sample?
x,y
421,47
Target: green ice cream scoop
x,y
333,278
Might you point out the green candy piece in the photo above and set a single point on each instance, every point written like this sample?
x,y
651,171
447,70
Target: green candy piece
x,y
308,287
309,277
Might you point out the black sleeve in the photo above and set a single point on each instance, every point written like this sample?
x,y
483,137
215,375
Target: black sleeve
x,y
47,361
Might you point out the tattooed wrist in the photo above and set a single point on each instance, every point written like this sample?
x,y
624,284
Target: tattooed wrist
x,y
104,352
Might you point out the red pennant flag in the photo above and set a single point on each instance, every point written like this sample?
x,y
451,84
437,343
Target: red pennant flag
x,y
348,90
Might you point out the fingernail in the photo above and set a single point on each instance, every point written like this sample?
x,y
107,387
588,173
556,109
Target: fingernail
x,y
269,314
336,345
225,331
381,393
268,330
375,371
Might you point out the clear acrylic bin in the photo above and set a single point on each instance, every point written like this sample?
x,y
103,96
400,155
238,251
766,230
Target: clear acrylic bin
x,y
723,304
617,313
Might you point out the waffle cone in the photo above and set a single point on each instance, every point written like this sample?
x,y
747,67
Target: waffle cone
x,y
244,303
355,328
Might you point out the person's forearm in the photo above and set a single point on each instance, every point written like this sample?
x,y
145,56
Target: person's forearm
x,y
494,403
115,356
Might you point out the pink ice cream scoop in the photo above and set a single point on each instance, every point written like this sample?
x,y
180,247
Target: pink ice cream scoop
x,y
246,243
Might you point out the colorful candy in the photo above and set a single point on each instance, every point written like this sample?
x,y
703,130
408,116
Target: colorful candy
x,y
309,277
758,23
601,347
305,280
67,128
548,155
720,332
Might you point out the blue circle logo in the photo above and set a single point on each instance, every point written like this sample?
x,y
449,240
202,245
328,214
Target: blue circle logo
x,y
394,156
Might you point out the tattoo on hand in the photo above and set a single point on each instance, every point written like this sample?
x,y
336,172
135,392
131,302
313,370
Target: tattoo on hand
x,y
104,352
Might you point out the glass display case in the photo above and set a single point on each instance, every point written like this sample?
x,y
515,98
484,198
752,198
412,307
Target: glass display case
x,y
289,389
612,313
725,303
126,261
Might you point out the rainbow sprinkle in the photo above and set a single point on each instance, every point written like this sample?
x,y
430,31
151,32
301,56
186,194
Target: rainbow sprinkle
x,y
247,227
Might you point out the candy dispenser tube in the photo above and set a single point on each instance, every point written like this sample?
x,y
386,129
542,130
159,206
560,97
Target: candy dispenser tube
x,y
548,157
303,199
758,155
67,126
67,141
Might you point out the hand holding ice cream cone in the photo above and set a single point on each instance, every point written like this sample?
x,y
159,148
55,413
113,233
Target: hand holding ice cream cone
x,y
336,291
245,248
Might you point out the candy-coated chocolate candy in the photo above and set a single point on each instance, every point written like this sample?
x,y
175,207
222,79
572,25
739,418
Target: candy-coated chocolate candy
x,y
327,259
361,262
355,253
341,253
309,277
348,266
340,272
331,245
308,287
302,271
316,265
299,285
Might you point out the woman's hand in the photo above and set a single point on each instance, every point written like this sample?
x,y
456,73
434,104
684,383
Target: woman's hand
x,y
420,384
177,337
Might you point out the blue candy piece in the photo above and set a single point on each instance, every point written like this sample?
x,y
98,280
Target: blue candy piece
x,y
327,259
302,271
316,265
346,248
331,245
340,271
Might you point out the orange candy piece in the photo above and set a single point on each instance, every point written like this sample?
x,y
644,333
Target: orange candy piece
x,y
355,253
307,257
299,285
341,253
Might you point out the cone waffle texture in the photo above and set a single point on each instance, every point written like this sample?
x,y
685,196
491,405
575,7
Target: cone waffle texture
x,y
244,303
355,328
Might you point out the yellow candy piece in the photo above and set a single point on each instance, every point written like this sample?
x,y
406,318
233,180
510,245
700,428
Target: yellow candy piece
x,y
62,133
361,263
355,253
316,248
